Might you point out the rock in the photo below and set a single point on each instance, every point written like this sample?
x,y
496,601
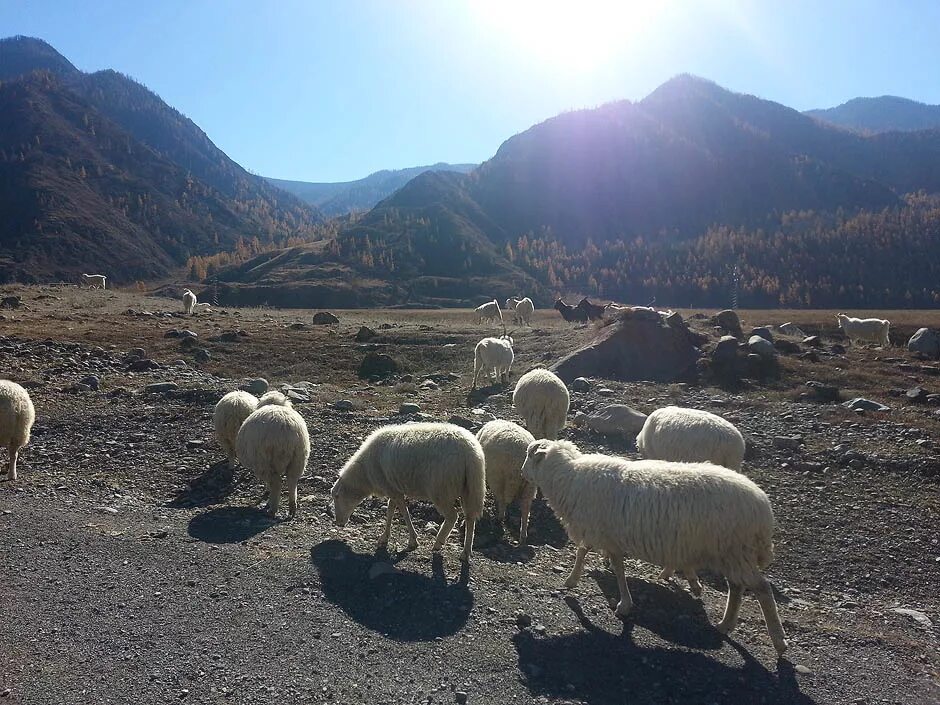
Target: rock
x,y
726,351
136,354
143,365
386,326
802,670
918,616
365,334
91,381
161,387
324,318
761,346
926,342
460,697
298,325
409,408
229,336
523,620
786,346
613,419
810,356
296,396
823,392
188,343
429,384
861,404
763,332
791,329
11,302
580,384
917,395
787,442
377,365
729,321
257,386
482,415
202,355
837,349
636,347
812,341
606,392
187,334
172,333
461,421
343,405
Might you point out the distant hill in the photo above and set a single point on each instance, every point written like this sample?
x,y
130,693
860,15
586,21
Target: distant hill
x,y
344,197
592,199
99,173
883,114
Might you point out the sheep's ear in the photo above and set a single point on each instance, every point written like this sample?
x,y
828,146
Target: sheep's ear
x,y
537,450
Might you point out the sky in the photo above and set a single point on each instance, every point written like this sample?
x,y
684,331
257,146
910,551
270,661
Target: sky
x,y
334,90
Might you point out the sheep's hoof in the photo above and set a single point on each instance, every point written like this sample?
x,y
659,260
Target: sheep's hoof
x,y
781,647
623,608
412,545
724,628
572,583
695,588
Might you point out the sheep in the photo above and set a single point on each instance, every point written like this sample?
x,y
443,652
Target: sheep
x,y
274,399
671,514
868,330
274,443
189,301
689,436
522,310
542,399
16,421
504,447
95,281
571,314
229,415
494,355
438,462
592,311
489,312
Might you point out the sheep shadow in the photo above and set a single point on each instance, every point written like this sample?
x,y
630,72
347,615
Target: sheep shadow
x,y
229,524
399,604
602,668
475,396
215,485
544,526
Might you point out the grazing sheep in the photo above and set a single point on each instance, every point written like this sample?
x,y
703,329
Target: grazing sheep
x,y
504,447
542,399
95,281
495,356
592,311
489,312
571,314
522,310
229,415
671,514
189,301
865,330
438,462
690,436
274,442
16,421
274,399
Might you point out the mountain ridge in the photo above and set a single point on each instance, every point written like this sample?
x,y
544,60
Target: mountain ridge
x,y
885,113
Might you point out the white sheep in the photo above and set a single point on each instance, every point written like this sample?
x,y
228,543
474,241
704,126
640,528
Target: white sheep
x,y
274,442
438,462
671,514
504,447
16,421
690,436
865,330
274,399
95,281
229,415
189,301
522,309
495,357
542,399
489,312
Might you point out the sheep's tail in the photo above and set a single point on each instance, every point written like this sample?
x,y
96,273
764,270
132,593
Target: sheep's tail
x,y
474,488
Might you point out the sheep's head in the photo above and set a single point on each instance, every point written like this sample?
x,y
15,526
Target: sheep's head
x,y
560,304
839,318
346,497
534,456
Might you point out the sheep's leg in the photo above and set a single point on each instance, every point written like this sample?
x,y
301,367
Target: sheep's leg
x,y
446,527
694,585
501,509
667,572
477,366
469,526
11,467
389,515
525,505
274,496
292,497
626,599
765,597
406,517
575,576
728,622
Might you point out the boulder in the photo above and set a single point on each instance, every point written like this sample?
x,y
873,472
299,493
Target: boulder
x,y
377,365
256,386
861,404
925,341
763,332
917,395
729,321
761,346
786,346
812,341
791,329
612,420
324,318
365,334
11,302
823,392
726,351
639,345
580,384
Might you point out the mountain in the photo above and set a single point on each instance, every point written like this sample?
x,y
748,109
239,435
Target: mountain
x,y
344,197
885,114
97,172
576,202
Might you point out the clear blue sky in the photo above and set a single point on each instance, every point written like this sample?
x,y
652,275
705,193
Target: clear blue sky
x,y
330,91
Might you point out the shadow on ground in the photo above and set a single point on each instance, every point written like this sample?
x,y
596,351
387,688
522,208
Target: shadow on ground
x,y
400,604
211,487
229,524
602,668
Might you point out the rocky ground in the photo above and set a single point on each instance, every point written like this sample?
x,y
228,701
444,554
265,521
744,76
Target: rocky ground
x,y
135,568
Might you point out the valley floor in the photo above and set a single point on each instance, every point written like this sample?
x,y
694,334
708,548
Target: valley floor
x,y
134,567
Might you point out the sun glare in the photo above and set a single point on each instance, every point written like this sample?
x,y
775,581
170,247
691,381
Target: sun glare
x,y
578,35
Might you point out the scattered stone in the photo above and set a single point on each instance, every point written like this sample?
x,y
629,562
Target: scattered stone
x,y
409,408
91,381
461,421
763,332
823,392
726,351
926,342
810,356
377,365
365,334
202,355
523,620
729,321
613,419
136,354
580,384
837,349
11,302
606,392
297,326
142,365
861,404
296,396
803,670
229,336
918,616
187,334
188,343
161,387
461,697
343,405
324,318
812,341
257,386
788,347
787,442
792,329
172,333
917,395
761,346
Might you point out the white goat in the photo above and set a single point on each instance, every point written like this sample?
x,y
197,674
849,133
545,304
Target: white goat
x,y
229,415
95,281
670,514
489,312
542,399
274,442
493,356
16,421
522,309
865,330
690,436
438,462
189,301
504,446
